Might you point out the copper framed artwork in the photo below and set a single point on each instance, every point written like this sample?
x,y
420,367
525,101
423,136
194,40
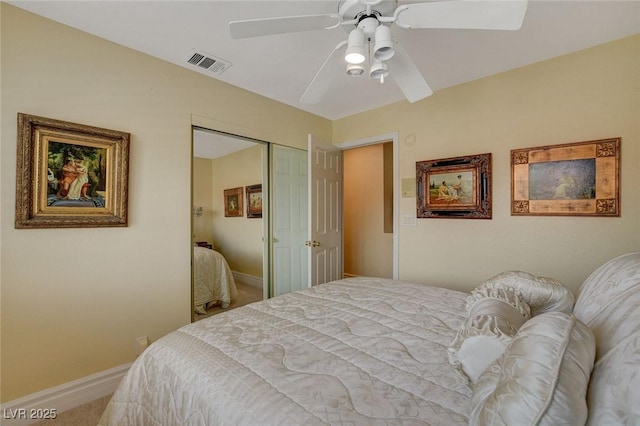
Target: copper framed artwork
x,y
573,179
233,202
254,201
457,187
70,175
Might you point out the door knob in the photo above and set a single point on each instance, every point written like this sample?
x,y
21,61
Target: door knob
x,y
313,243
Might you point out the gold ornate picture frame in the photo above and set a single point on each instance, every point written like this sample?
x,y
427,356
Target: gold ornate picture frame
x,y
454,188
233,203
70,175
573,179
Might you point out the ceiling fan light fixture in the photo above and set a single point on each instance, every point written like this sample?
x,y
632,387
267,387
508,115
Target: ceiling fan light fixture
x,y
379,70
355,70
355,47
383,48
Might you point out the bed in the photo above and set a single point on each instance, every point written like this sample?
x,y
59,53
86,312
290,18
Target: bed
x,y
213,281
374,351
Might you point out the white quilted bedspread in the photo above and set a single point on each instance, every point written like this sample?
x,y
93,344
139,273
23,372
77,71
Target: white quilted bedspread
x,y
212,280
362,351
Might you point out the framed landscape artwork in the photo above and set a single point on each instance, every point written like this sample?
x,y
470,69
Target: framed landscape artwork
x,y
458,187
574,179
70,175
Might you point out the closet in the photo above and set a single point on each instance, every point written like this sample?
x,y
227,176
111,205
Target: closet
x,y
264,244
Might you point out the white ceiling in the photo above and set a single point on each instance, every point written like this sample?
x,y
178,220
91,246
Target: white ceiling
x,y
210,144
281,66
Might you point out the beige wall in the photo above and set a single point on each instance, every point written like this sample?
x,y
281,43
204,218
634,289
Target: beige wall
x,y
239,239
589,95
74,300
368,250
203,197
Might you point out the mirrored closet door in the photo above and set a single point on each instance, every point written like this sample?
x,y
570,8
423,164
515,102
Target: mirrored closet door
x,y
228,225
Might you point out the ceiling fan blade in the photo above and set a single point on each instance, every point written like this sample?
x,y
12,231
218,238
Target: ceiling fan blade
x,y
289,24
320,83
407,76
463,14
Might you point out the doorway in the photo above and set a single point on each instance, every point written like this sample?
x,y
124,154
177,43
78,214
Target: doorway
x,y
368,210
392,140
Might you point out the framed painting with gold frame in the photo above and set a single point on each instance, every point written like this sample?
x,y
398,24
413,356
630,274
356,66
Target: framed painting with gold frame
x,y
233,204
70,175
456,188
573,179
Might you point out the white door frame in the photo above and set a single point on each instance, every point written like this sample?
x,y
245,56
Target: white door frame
x,y
374,140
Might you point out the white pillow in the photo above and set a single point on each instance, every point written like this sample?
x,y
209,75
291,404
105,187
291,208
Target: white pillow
x,y
494,317
609,303
542,294
478,352
542,377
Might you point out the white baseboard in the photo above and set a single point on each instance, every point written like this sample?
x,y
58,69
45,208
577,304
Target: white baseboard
x,y
63,397
252,280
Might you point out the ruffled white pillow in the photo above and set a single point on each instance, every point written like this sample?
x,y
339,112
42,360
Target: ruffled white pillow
x,y
494,316
542,377
542,294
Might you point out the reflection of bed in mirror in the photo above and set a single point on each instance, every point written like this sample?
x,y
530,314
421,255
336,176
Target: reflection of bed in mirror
x,y
212,280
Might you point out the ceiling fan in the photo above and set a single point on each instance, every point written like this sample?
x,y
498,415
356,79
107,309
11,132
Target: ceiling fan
x,y
369,22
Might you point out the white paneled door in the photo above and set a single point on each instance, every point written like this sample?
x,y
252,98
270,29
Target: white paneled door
x,y
290,219
325,212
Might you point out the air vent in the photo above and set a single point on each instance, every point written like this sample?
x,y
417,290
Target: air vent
x,y
208,62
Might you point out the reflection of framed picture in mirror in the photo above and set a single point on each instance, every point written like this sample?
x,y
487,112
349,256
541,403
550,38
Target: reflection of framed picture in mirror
x,y
458,187
575,179
233,202
254,201
70,175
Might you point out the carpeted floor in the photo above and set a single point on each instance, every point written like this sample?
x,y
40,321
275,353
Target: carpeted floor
x,y
89,414
246,294
85,415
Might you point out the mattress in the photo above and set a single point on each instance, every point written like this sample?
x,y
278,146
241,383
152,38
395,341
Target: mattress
x,y
356,351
